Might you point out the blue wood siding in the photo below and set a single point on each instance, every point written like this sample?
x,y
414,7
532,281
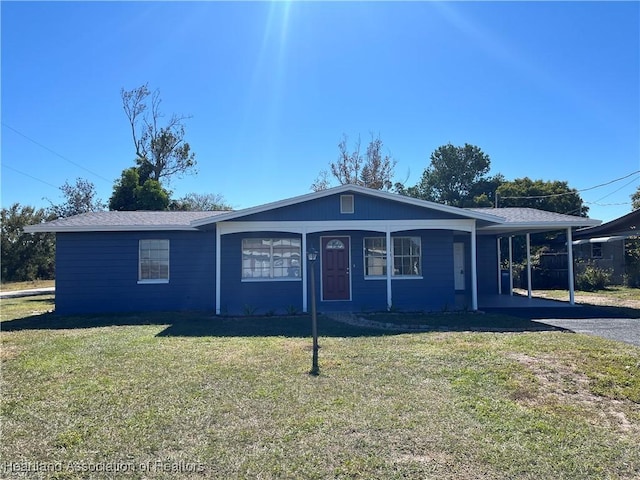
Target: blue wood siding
x,y
366,207
98,272
487,264
435,291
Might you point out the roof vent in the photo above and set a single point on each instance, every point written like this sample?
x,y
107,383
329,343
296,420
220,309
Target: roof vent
x,y
346,203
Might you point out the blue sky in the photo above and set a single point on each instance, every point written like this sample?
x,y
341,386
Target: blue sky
x,y
548,90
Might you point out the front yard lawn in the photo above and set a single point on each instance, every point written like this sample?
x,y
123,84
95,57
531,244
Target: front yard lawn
x,y
194,396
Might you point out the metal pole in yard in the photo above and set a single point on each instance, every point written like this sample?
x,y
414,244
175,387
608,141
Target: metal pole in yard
x,y
315,370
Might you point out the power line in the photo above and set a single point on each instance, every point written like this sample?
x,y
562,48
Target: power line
x,y
573,192
4,165
55,153
616,191
608,204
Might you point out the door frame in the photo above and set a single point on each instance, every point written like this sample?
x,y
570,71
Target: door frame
x,y
322,237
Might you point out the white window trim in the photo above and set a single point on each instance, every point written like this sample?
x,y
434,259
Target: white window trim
x,y
393,276
154,281
269,279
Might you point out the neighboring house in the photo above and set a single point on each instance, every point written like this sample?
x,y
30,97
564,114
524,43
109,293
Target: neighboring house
x,y
605,245
376,251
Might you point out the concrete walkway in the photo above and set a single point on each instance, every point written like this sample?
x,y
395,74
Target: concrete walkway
x,y
28,293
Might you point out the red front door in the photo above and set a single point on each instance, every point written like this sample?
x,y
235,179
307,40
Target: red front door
x,y
335,268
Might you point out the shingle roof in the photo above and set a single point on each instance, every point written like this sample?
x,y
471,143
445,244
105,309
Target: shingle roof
x,y
521,214
490,220
112,221
531,219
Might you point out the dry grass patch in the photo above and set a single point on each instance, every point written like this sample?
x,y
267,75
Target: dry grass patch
x,y
612,296
13,286
563,386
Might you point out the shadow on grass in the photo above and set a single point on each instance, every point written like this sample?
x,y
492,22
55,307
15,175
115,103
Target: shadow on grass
x,y
580,311
204,324
195,324
26,314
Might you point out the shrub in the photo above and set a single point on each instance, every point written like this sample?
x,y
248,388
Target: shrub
x,y
632,263
592,278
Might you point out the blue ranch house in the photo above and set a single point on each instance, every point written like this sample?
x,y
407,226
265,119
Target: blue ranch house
x,y
376,251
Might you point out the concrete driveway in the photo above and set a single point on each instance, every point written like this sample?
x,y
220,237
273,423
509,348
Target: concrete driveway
x,y
28,293
615,323
622,329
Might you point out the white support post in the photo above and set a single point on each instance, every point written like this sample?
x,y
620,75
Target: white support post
x,y
218,268
499,269
389,269
510,265
474,270
304,273
529,265
572,299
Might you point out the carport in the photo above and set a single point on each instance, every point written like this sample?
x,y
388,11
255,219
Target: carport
x,y
525,221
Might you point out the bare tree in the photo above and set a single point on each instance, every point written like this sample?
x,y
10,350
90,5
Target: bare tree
x,y
377,171
322,181
201,202
161,151
373,169
348,167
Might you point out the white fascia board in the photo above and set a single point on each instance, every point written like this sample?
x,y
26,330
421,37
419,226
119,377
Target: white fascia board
x,y
465,225
44,228
352,189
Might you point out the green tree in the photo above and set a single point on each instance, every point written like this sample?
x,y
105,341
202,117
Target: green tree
x,y
457,176
372,169
79,198
200,202
161,150
632,250
124,191
25,256
553,196
133,192
152,196
635,199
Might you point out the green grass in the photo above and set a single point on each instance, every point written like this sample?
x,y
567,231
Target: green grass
x,y
232,398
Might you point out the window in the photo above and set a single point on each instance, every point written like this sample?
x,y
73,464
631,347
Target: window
x,y
375,257
153,261
335,244
596,250
346,204
406,256
405,251
271,259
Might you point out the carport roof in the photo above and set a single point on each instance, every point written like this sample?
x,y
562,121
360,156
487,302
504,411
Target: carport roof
x,y
523,220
